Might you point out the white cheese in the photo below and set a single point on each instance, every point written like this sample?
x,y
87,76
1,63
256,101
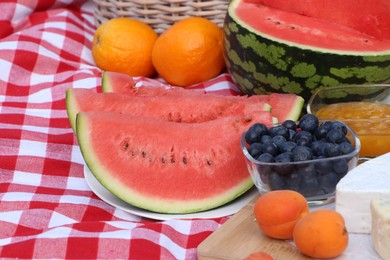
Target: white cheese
x,y
380,230
355,191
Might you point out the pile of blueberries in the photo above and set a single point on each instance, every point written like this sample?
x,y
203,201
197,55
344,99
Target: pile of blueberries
x,y
308,139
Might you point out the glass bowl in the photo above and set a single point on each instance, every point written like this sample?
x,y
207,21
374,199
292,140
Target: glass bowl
x,y
315,179
364,108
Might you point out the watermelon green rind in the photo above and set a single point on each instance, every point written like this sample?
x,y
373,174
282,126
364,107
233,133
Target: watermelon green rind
x,y
72,107
262,64
151,188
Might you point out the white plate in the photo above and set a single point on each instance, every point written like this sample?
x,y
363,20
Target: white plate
x,y
107,196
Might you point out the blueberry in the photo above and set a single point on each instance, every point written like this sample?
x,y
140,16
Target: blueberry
x,y
270,147
308,122
346,148
290,124
332,150
323,167
291,134
302,153
318,148
276,182
293,180
279,130
339,125
327,125
251,136
340,167
284,157
320,132
307,171
287,146
265,157
335,135
309,187
284,168
278,140
328,182
303,134
265,138
254,150
303,142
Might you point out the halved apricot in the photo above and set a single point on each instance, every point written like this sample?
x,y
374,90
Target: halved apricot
x,y
277,212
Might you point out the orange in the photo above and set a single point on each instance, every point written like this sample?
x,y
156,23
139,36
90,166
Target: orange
x,y
321,234
124,45
278,211
189,52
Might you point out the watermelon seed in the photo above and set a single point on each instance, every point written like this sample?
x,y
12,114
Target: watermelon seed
x,y
162,160
125,144
184,160
143,154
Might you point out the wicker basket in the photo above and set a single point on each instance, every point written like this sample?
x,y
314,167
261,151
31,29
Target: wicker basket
x,y
160,14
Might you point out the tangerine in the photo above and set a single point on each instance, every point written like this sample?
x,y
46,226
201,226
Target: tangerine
x,y
321,234
189,52
124,45
278,211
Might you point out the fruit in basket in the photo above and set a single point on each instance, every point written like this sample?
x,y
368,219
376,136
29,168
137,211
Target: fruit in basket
x,y
283,106
189,52
124,45
186,109
162,166
281,50
321,234
277,212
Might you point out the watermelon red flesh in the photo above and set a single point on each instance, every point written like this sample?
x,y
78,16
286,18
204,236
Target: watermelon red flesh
x,y
165,166
369,17
283,106
289,27
186,109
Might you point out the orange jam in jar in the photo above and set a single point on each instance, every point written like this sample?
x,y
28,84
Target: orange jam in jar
x,y
370,121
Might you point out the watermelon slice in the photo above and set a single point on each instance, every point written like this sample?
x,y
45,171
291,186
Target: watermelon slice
x,y
283,106
163,166
186,109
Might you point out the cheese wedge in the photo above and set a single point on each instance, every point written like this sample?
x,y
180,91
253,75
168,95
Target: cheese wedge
x,y
355,191
380,229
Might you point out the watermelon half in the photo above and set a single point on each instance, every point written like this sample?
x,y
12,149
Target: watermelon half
x,y
163,166
299,46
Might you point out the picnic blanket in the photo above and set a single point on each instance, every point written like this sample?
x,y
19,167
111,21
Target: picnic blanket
x,y
47,209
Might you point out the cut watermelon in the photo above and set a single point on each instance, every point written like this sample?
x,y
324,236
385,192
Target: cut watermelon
x,y
282,50
186,109
368,17
163,166
283,106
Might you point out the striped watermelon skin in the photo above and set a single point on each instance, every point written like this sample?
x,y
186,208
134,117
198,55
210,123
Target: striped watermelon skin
x,y
261,64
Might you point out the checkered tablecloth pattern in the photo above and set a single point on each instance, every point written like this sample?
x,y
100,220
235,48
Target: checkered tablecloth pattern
x,y
47,210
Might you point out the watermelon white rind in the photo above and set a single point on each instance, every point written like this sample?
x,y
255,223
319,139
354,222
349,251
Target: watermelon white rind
x,y
269,50
162,166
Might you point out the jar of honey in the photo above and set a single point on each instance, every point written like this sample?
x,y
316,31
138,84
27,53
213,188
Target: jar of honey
x,y
370,121
365,109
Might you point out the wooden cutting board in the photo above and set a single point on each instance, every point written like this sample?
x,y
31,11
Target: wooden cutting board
x,y
239,237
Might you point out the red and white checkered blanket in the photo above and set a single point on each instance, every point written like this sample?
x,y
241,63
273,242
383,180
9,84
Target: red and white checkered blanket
x,y
47,210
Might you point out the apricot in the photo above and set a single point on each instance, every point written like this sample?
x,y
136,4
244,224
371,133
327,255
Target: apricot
x,y
321,234
259,256
277,212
